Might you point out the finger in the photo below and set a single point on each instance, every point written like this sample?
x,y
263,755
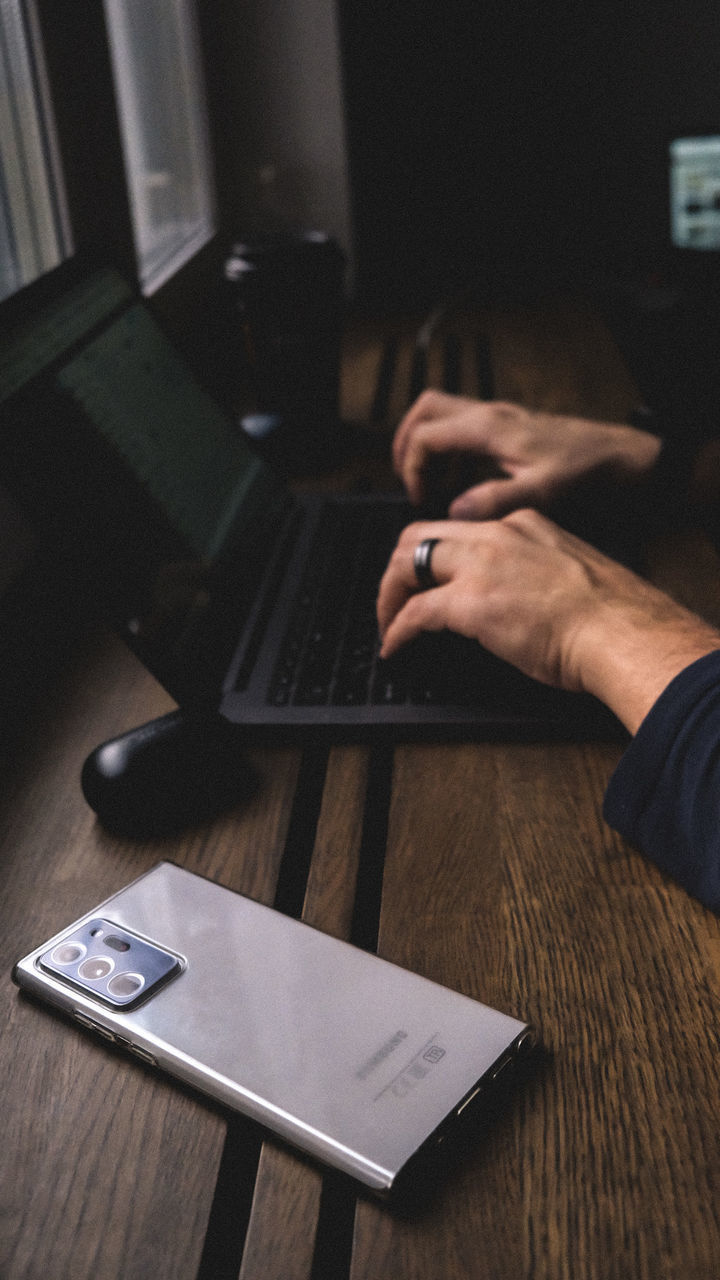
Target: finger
x,y
424,611
493,499
426,439
431,404
399,581
461,434
396,586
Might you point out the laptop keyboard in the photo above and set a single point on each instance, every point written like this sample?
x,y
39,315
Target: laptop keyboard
x,y
330,652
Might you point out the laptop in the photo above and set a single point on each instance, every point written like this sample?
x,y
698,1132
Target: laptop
x,y
242,597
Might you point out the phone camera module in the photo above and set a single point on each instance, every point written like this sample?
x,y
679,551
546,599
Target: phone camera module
x,y
109,963
68,953
123,986
95,968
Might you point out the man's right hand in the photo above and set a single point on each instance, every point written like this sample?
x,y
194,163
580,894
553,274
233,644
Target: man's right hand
x,y
547,602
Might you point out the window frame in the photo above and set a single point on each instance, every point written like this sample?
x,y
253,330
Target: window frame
x,y
74,36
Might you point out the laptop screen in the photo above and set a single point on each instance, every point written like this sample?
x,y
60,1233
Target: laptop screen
x,y
51,317
130,383
119,455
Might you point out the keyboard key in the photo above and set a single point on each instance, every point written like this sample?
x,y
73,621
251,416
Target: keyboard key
x,y
334,617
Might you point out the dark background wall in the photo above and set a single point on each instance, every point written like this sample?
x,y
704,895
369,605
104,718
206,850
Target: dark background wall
x,y
510,142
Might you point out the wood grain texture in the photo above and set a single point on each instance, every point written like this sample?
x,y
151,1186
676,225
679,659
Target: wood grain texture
x,y
280,1241
560,358
605,1165
98,1153
362,357
687,566
330,890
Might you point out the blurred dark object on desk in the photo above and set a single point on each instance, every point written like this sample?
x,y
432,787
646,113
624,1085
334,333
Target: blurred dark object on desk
x,y
287,293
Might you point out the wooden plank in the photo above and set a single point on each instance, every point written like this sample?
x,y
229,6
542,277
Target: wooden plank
x,y
363,349
330,890
501,880
560,357
671,555
107,1169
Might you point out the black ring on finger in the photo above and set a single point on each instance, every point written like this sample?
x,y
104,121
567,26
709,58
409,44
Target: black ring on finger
x,y
422,563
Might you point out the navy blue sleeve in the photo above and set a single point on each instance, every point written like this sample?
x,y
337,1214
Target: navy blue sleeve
x,y
664,796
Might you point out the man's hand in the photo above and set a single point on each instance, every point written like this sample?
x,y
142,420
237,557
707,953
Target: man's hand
x,y
539,455
548,603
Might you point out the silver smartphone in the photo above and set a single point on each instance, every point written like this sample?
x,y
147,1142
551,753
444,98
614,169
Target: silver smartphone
x,y
346,1056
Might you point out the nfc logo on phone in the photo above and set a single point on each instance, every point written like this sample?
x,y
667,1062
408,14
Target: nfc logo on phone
x,y
434,1053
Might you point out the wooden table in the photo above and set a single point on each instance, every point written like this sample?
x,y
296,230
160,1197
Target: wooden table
x,y
486,867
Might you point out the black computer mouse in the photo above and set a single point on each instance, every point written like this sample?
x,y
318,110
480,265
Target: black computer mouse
x,y
171,773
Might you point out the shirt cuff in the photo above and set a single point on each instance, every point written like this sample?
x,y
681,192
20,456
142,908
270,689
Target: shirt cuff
x,y
662,795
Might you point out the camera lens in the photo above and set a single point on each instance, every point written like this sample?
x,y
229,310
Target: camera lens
x,y
124,985
95,968
68,953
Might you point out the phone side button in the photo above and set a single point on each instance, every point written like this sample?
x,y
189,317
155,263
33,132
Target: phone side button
x,y
502,1065
468,1100
143,1055
84,1021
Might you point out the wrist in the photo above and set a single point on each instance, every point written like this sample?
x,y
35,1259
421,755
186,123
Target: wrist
x,y
628,654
